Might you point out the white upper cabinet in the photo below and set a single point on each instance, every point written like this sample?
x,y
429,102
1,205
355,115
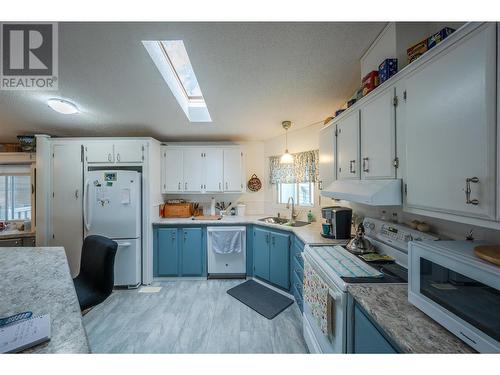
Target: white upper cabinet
x,y
172,170
193,170
348,147
378,136
214,171
450,129
99,152
327,150
201,169
114,151
233,170
129,151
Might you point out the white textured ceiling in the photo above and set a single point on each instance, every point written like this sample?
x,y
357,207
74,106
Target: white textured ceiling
x,y
253,76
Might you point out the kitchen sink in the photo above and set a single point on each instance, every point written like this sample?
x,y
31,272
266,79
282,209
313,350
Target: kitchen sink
x,y
281,221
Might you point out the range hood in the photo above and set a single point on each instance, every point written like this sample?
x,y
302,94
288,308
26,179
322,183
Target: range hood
x,y
371,192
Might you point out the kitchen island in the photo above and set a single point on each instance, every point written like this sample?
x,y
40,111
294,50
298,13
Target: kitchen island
x,y
37,279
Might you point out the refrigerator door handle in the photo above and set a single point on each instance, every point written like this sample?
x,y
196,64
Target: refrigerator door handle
x,y
86,206
124,244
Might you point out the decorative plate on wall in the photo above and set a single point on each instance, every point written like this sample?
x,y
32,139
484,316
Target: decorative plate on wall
x,y
254,183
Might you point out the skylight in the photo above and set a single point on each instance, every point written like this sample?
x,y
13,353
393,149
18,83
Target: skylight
x,y
172,60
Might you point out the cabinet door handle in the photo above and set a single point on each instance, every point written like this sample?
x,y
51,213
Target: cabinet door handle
x,y
351,168
118,157
227,186
173,237
468,190
220,186
179,186
267,238
109,157
185,185
365,165
273,240
76,194
201,186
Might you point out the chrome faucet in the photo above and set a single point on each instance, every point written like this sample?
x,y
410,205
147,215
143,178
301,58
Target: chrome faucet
x,y
294,215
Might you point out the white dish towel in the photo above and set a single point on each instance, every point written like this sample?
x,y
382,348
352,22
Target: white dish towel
x,y
227,242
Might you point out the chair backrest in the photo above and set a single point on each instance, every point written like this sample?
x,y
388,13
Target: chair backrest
x,y
98,261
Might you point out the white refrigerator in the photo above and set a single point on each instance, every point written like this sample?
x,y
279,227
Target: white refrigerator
x,y
112,208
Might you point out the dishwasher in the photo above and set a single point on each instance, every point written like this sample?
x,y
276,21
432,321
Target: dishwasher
x,y
226,252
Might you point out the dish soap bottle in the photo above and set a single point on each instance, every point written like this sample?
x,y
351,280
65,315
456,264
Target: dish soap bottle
x,y
310,217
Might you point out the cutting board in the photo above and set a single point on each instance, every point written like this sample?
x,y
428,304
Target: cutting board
x,y
488,253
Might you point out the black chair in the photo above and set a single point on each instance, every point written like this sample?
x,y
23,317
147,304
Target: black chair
x,y
96,279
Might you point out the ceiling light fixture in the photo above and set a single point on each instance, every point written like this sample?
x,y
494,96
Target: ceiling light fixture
x,y
286,158
62,106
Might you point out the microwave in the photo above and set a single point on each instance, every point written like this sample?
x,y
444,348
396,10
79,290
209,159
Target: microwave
x,y
457,289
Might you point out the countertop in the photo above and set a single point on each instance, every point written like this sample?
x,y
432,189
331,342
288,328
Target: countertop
x,y
407,326
309,234
7,234
37,279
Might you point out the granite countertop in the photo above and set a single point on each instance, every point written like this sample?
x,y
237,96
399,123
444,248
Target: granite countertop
x,y
309,234
407,326
7,234
37,279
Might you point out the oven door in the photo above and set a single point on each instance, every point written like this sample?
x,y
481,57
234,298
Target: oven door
x,y
462,298
335,341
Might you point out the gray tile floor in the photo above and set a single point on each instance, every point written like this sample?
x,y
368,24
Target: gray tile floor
x,y
189,316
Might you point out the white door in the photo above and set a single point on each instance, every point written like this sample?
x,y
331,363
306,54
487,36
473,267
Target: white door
x,y
129,151
450,129
112,203
66,202
327,150
193,170
348,147
99,152
232,170
173,170
214,171
378,137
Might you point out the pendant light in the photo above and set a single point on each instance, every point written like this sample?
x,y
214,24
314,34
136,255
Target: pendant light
x,y
286,158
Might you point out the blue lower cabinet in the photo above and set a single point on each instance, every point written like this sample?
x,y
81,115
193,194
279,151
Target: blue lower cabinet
x,y
279,259
178,252
167,249
192,251
261,249
366,336
271,256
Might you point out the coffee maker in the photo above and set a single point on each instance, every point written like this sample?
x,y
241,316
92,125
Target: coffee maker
x,y
338,222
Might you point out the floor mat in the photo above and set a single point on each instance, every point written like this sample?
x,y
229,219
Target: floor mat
x,y
265,301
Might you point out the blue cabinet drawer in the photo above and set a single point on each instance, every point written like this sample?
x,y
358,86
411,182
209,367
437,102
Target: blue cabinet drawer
x,y
298,283
298,298
298,268
297,253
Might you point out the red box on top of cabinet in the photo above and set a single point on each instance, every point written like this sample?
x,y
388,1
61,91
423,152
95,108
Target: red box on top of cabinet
x,y
370,82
